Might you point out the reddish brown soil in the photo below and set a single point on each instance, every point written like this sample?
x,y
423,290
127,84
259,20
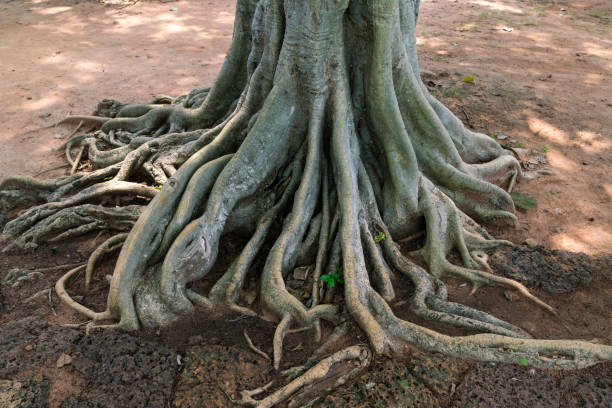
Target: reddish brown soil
x,y
546,85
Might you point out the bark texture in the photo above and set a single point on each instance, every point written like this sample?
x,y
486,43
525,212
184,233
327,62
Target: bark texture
x,y
319,138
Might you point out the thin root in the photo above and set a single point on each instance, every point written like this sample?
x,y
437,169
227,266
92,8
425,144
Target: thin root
x,y
255,349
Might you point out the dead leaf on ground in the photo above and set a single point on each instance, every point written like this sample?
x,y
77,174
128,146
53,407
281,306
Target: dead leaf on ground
x,y
63,360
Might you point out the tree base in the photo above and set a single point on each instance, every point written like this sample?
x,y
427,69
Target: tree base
x,y
319,139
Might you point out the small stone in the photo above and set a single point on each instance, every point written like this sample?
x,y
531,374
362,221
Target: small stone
x,y
521,152
44,115
545,172
531,243
29,347
530,175
501,137
197,339
370,385
300,273
508,295
558,211
540,158
585,163
559,230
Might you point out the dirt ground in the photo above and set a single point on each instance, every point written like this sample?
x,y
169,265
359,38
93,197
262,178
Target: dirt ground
x,y
542,84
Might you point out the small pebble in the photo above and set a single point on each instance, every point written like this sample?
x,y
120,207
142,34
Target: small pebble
x,y
531,243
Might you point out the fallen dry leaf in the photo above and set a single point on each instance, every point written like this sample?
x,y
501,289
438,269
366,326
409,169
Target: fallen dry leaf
x,y
63,360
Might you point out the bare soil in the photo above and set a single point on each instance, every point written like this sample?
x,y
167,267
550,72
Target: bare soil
x,y
542,73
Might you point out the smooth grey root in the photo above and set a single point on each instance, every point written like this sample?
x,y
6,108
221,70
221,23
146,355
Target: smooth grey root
x,y
317,136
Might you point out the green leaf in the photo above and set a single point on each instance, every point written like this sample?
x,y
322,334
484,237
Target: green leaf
x,y
329,280
468,78
107,178
523,201
157,187
380,236
523,361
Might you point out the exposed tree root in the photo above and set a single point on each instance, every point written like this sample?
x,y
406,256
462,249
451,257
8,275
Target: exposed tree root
x,y
315,383
252,346
320,144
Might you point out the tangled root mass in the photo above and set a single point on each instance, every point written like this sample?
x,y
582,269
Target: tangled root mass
x,y
318,138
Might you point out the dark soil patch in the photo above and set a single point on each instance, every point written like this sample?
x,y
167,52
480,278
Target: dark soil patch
x,y
555,271
495,385
387,383
123,371
213,373
590,388
30,344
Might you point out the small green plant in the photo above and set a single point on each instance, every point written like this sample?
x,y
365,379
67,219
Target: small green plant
x,y
597,13
380,236
522,201
523,361
108,178
157,187
493,136
518,143
454,92
543,148
333,279
468,78
482,16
